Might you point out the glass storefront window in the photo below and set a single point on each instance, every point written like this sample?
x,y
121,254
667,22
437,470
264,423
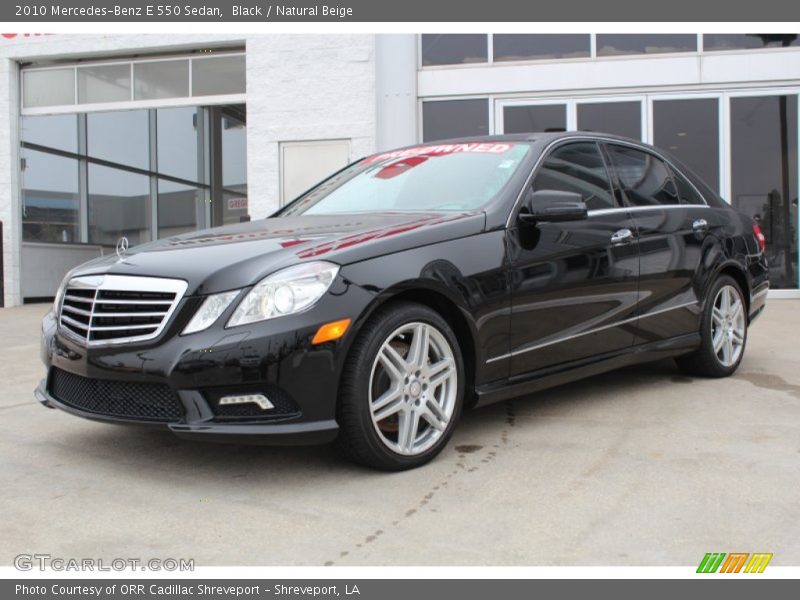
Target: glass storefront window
x,y
119,205
748,41
120,137
180,208
529,119
218,75
454,118
128,174
509,47
618,44
618,118
764,176
50,198
54,131
179,142
162,79
48,87
234,155
454,48
104,83
689,128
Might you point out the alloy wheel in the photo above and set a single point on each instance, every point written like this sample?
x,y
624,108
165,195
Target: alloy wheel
x,y
728,326
413,388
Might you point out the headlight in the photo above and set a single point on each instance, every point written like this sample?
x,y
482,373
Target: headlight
x,y
209,311
286,292
59,295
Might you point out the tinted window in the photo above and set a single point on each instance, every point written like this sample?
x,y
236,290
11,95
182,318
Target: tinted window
x,y
577,168
644,43
454,118
527,119
748,41
540,46
453,49
643,177
687,194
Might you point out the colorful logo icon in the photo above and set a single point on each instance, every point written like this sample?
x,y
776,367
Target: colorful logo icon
x,y
735,562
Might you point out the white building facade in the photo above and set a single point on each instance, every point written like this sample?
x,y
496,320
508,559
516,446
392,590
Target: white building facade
x,y
147,136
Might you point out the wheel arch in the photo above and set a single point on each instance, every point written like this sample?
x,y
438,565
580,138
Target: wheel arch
x,y
449,310
737,273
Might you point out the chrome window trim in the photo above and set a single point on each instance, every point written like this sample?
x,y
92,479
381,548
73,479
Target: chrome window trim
x,y
123,283
588,332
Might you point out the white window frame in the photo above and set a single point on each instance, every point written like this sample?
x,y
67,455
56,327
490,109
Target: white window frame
x,y
131,104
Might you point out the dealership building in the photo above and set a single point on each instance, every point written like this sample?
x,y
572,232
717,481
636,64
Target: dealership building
x,y
147,136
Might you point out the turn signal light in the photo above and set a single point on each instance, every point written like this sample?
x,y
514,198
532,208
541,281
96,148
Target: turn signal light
x,y
331,331
762,241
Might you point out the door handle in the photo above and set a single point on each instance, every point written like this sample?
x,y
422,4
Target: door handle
x,y
623,236
700,225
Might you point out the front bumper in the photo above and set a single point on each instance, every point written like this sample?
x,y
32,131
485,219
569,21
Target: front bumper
x,y
279,434
274,358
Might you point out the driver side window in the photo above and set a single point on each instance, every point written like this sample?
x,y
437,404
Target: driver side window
x,y
577,167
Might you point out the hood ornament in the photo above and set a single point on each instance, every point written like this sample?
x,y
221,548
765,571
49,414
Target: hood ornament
x,y
122,246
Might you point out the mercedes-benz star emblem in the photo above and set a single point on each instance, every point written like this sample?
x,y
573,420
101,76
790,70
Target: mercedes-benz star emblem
x,y
122,246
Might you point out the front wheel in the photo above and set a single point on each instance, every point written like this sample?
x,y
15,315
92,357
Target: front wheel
x,y
723,332
402,389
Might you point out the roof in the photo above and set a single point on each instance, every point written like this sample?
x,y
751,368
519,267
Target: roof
x,y
544,136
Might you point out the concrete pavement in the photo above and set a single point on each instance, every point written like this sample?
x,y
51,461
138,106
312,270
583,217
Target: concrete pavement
x,y
640,467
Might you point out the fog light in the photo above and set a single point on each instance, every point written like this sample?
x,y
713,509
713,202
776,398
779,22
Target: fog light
x,y
260,399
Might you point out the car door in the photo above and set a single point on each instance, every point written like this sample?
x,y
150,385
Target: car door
x,y
573,283
675,229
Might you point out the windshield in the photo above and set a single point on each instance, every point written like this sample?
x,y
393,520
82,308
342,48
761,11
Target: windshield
x,y
444,177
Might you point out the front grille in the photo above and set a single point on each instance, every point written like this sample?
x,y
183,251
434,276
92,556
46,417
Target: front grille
x,y
106,309
284,406
126,400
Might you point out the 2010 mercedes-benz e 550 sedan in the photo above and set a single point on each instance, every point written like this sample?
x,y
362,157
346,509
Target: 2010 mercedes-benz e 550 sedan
x,y
406,287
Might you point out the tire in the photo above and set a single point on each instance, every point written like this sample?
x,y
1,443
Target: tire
x,y
398,405
723,332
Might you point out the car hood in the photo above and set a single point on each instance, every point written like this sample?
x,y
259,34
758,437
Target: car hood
x,y
235,256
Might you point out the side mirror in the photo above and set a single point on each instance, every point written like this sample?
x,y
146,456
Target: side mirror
x,y
552,206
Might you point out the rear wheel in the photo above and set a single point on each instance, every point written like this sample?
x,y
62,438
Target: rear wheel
x,y
723,332
402,389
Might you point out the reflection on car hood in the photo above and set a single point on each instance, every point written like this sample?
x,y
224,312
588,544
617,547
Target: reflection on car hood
x,y
239,255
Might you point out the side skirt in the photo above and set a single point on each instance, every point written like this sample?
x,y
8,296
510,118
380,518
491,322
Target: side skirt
x,y
566,373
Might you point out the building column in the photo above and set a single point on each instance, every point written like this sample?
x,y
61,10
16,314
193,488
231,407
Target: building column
x,y
396,90
9,181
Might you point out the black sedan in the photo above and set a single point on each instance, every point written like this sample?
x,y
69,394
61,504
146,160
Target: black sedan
x,y
409,286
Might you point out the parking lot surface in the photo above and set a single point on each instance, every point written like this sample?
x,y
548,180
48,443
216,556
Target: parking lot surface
x,y
643,466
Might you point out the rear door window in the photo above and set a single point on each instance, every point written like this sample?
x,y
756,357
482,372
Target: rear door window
x,y
644,178
687,193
